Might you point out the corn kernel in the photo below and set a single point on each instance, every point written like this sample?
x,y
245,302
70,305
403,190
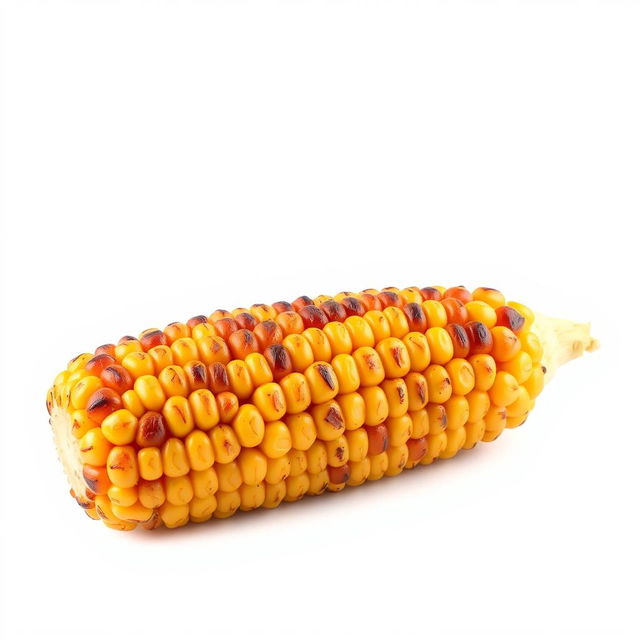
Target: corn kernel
x,y
353,409
358,444
150,392
204,409
150,463
394,357
225,443
270,401
278,469
253,466
277,439
376,405
328,419
204,483
122,466
229,476
249,426
302,429
438,383
296,394
174,458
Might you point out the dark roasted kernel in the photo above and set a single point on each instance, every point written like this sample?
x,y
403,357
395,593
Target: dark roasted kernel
x,y
197,375
371,302
334,311
334,417
267,333
153,338
98,363
430,293
480,338
378,439
152,430
246,320
279,361
339,475
116,377
389,299
225,327
460,340
325,374
456,311
510,318
196,320
125,339
353,306
460,293
300,302
242,343
313,316
415,317
282,306
101,403
218,378
96,479
417,448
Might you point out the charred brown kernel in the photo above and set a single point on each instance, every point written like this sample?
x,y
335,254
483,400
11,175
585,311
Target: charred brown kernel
x,y
415,317
197,375
107,349
417,448
327,375
371,302
116,377
353,306
339,475
279,360
389,299
480,338
301,302
267,333
456,311
243,342
225,327
281,306
460,340
218,378
313,316
101,403
96,479
510,318
152,338
334,417
196,320
459,293
126,339
334,311
152,430
378,439
246,320
430,293
98,363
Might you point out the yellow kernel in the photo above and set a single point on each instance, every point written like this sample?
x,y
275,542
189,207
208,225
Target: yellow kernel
x,y
297,395
150,392
248,425
178,416
277,439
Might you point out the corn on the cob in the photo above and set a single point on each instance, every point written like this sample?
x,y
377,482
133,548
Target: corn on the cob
x,y
243,409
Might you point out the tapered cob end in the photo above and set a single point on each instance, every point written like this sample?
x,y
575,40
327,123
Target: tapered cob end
x,y
562,340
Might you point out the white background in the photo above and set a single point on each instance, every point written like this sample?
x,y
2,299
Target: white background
x,y
162,159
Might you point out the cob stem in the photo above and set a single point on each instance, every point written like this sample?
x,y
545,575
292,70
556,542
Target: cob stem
x,y
562,340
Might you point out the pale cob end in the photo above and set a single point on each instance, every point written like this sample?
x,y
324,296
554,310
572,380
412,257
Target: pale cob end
x,y
246,409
